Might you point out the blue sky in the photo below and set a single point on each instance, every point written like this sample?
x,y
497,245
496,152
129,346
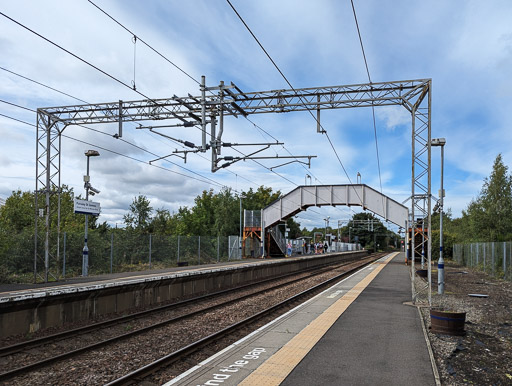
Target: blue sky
x,y
464,46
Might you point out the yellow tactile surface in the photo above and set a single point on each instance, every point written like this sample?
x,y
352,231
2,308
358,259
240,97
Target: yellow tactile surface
x,y
275,369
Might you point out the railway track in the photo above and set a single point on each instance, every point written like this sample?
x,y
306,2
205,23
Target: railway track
x,y
38,346
149,370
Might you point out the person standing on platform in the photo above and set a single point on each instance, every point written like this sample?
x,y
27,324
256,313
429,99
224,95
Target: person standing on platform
x,y
289,249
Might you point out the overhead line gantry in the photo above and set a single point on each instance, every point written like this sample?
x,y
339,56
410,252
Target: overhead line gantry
x,y
217,102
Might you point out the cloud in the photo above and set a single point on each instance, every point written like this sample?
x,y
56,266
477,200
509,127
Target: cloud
x,y
465,47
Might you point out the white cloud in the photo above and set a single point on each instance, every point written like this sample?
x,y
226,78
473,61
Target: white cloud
x,y
465,47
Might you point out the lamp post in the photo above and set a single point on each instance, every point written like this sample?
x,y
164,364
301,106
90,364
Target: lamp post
x,y
358,178
326,225
305,179
87,186
440,264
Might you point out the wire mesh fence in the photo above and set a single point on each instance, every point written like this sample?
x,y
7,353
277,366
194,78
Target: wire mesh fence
x,y
118,250
494,258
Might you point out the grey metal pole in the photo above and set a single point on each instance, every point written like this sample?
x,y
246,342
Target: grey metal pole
x,y
178,249
111,250
199,250
440,263
203,111
240,236
64,258
150,251
218,248
85,252
505,259
262,235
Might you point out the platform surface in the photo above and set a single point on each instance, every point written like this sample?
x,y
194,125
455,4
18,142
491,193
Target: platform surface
x,y
20,292
358,332
13,292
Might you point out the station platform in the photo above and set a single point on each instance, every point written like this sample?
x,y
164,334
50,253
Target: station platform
x,y
30,308
12,291
357,332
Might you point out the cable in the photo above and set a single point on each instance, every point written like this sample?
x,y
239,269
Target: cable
x,y
120,154
41,84
84,61
373,107
288,82
295,91
15,105
180,69
19,120
146,44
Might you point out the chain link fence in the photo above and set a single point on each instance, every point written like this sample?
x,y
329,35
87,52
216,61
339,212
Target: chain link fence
x,y
118,250
493,258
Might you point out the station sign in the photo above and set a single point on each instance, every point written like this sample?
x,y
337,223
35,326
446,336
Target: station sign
x,y
87,207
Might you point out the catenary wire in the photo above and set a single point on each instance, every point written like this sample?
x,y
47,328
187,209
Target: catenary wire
x,y
84,61
100,70
208,181
177,67
289,84
373,107
89,128
127,142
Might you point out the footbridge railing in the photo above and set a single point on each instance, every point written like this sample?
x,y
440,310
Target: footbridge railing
x,y
362,195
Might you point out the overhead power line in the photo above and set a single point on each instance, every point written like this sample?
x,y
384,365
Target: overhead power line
x,y
288,82
295,91
191,77
205,180
370,80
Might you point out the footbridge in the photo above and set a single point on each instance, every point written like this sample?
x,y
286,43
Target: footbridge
x,y
304,197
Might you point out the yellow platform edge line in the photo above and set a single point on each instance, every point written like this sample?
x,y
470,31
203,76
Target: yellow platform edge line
x,y
276,368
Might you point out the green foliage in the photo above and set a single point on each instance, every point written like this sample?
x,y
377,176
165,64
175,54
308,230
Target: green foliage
x,y
487,218
294,227
369,237
140,214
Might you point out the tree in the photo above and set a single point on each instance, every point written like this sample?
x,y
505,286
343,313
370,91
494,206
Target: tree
x,y
259,199
367,234
140,214
294,227
160,223
487,218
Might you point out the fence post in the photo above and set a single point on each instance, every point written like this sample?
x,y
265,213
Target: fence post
x,y
485,245
111,250
492,257
218,247
150,251
178,248
64,258
504,260
199,250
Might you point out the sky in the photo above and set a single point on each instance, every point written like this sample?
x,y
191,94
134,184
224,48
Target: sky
x,y
465,47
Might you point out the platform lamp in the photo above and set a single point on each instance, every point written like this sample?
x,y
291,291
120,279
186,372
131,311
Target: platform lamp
x,y
87,186
440,264
326,225
358,178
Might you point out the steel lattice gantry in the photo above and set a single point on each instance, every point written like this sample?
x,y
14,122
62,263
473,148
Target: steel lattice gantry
x,y
210,108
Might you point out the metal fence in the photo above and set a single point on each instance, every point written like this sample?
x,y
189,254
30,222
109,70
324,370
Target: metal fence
x,y
117,251
493,258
